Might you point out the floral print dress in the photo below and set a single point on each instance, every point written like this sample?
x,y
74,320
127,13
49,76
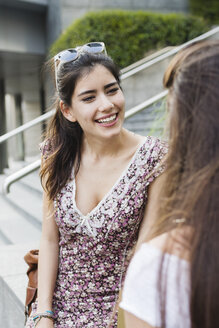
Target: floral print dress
x,y
94,249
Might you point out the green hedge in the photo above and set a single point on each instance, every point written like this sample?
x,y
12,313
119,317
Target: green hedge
x,y
129,35
208,9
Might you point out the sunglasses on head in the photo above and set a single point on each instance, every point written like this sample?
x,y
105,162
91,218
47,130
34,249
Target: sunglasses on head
x,y
72,54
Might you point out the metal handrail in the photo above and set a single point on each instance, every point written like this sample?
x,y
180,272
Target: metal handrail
x,y
26,126
20,174
124,76
35,165
169,53
145,104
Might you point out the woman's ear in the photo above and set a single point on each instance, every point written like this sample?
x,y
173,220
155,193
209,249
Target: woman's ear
x,y
67,112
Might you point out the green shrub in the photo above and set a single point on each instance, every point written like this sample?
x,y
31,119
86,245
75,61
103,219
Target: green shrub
x,y
206,9
129,35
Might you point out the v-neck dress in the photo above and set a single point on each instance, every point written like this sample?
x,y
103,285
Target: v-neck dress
x,y
95,248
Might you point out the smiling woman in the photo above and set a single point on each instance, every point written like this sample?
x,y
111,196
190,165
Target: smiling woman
x,y
96,176
101,106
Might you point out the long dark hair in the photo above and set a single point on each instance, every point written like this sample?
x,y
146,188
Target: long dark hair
x,y
191,182
65,137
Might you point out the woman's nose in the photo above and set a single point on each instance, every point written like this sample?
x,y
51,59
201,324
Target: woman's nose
x,y
105,104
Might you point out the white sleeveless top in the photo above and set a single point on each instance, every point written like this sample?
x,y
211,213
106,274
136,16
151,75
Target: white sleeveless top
x,y
141,294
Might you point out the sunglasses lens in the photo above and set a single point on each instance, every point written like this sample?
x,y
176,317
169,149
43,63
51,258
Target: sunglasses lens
x,y
68,55
95,47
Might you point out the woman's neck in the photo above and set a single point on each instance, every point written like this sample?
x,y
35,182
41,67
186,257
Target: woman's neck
x,y
103,148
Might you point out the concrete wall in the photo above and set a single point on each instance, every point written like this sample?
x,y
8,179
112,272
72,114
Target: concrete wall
x,y
22,31
142,86
145,84
54,25
72,9
13,120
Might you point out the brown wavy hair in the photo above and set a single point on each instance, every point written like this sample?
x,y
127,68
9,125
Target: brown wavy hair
x,y
64,138
190,189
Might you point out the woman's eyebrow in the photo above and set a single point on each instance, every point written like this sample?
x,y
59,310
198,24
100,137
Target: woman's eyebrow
x,y
110,85
86,92
93,90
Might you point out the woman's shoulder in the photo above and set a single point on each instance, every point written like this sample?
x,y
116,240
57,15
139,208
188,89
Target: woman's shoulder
x,y
153,150
151,157
155,146
154,266
148,146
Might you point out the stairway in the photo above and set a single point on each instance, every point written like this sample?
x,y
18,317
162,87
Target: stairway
x,y
21,211
20,230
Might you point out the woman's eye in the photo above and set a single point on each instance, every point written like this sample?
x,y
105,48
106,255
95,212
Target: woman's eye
x,y
87,99
113,90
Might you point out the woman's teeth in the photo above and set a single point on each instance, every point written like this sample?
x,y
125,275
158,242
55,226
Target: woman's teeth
x,y
108,119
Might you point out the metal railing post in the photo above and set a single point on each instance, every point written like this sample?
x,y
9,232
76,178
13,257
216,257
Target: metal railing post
x,y
26,126
20,174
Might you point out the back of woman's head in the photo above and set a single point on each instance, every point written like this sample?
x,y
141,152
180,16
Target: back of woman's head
x,y
193,80
191,187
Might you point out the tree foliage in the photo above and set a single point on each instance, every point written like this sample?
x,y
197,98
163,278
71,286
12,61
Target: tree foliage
x,y
130,35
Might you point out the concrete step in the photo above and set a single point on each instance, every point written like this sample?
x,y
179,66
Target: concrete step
x,y
21,211
26,196
20,230
15,227
150,121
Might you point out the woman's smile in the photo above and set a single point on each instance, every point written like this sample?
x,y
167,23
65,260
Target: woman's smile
x,y
108,120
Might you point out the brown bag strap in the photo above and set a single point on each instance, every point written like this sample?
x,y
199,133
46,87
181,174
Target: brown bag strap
x,y
31,258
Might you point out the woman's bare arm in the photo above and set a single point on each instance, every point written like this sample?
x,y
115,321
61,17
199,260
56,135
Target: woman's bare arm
x,y
132,321
151,210
48,258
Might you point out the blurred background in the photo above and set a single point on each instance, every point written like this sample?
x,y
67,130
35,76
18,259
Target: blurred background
x,y
141,36
31,31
